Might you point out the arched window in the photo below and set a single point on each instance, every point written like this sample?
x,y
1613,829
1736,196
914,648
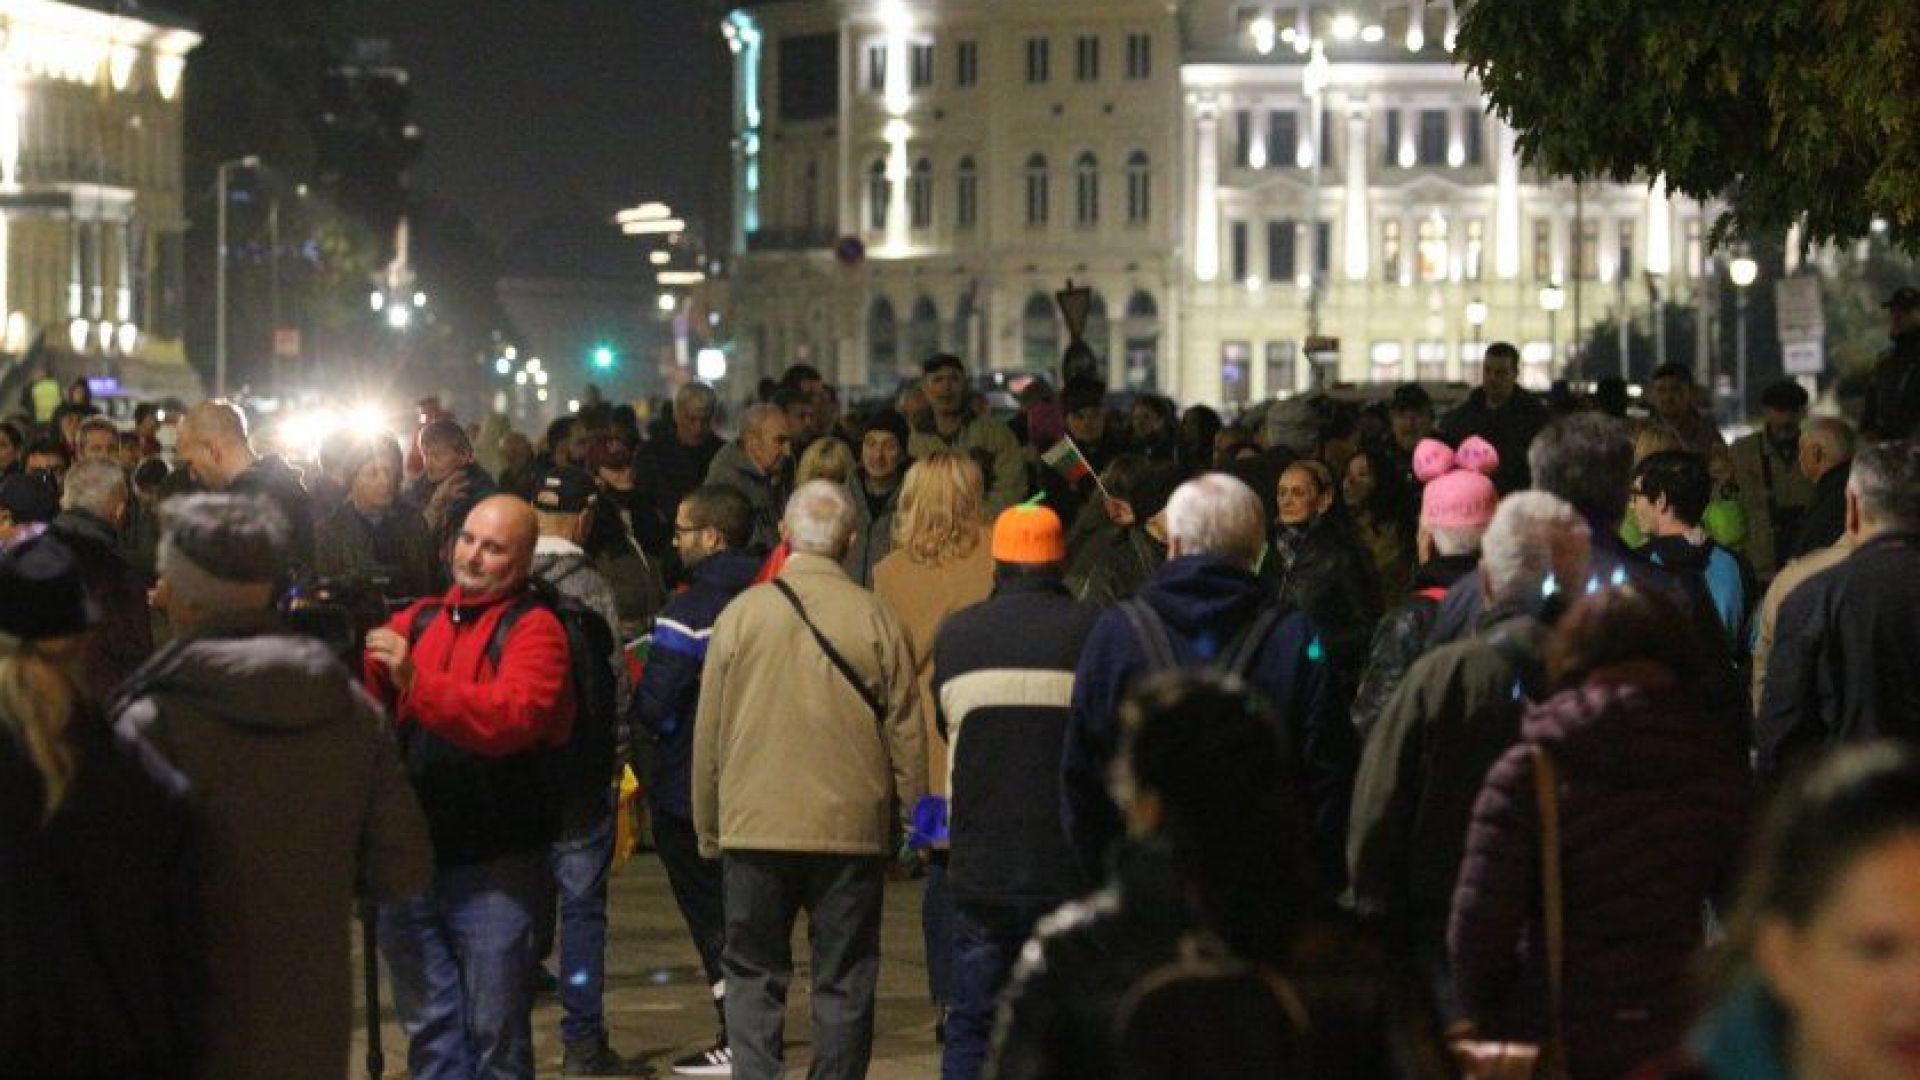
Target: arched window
x,y
877,195
923,331
1139,189
883,337
1037,190
1142,332
920,194
966,195
1086,190
1040,333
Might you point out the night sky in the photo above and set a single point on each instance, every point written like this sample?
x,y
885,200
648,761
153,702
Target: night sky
x,y
558,107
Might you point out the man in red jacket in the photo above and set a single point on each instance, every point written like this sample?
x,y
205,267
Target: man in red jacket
x,y
477,720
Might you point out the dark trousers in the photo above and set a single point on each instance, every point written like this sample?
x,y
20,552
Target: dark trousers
x,y
841,894
579,867
986,942
936,929
697,889
459,957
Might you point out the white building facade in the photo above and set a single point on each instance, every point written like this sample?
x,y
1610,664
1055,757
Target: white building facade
x,y
1231,178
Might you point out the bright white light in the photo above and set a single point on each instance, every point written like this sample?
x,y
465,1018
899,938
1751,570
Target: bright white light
x,y
534,364
660,258
511,353
710,364
1262,31
503,366
680,277
539,378
77,332
377,300
1288,34
540,394
667,302
368,419
898,131
1552,298
129,338
16,340
1456,153
398,317
654,228
105,330
1408,157
1373,33
1345,27
653,211
1476,312
1303,280
1257,155
573,405
895,17
1743,271
419,299
1254,283
519,378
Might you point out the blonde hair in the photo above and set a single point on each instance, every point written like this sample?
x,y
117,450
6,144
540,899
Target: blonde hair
x,y
1654,438
942,508
825,459
36,705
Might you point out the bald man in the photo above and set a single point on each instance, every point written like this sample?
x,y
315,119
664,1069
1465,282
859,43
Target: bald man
x,y
478,684
215,446
1826,458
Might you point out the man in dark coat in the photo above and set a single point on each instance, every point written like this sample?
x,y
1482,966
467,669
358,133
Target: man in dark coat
x,y
1501,413
1893,399
1826,458
676,460
215,446
448,489
1003,675
1849,639
91,510
1205,598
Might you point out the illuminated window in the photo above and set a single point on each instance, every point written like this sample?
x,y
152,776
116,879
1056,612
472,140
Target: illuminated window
x,y
1543,250
1586,257
1037,190
1236,360
1390,243
1432,250
1283,366
1475,249
1086,190
1139,189
1386,358
1430,361
1627,254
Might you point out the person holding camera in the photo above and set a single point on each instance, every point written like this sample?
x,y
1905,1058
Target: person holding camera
x,y
297,794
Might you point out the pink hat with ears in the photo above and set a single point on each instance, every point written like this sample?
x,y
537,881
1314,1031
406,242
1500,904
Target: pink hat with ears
x,y
1458,492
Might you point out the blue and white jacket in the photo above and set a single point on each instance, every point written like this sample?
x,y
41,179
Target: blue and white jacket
x,y
669,693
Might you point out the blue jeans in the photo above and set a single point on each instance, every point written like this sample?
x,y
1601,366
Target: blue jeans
x,y
460,959
579,869
986,942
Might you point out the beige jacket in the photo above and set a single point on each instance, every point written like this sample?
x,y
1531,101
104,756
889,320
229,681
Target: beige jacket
x,y
1790,577
786,755
1753,464
923,596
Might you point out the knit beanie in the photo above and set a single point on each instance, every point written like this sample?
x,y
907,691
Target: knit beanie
x,y
890,421
1028,534
1459,493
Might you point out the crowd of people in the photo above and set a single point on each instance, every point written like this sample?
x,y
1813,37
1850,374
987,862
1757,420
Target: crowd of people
x,y
1543,719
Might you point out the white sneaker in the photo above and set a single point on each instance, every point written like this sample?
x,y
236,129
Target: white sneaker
x,y
715,1060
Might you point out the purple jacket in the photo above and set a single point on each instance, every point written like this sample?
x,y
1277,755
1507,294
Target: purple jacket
x,y
1654,803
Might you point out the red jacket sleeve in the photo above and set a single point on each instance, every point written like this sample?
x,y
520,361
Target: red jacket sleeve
x,y
527,703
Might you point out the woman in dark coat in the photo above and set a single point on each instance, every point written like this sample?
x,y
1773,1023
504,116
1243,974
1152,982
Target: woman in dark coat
x,y
1653,800
99,971
1320,566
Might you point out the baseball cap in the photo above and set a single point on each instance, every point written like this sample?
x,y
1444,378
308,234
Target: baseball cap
x,y
29,498
564,490
1028,534
1904,298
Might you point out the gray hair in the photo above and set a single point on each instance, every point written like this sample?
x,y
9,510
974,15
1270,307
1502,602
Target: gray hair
x,y
819,519
693,394
1586,459
94,486
756,417
1217,514
221,552
1527,532
1886,480
1456,539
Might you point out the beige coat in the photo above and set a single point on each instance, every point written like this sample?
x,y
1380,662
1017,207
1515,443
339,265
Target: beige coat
x,y
1791,490
1790,577
786,755
923,596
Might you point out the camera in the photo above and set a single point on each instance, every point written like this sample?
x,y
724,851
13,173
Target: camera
x,y
337,611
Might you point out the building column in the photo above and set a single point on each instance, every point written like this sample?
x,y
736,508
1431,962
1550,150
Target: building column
x,y
1206,191
1358,235
1506,225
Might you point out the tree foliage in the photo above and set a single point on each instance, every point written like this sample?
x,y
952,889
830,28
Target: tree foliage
x,y
1789,110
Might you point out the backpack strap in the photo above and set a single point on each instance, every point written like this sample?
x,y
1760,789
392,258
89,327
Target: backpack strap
x,y
1151,631
423,617
1240,656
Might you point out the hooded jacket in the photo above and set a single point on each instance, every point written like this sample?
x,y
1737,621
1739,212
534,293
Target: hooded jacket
x,y
299,803
1654,801
766,495
1205,602
665,702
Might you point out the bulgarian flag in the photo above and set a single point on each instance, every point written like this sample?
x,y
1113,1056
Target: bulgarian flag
x,y
1066,459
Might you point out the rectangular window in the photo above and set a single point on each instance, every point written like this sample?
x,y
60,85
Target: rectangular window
x,y
966,199
1326,143
1282,367
1086,59
1390,245
1236,362
1242,138
1283,137
1037,60
1322,250
1432,146
1240,268
1476,131
877,68
1139,191
1390,153
1430,361
1139,56
1474,253
1629,259
966,63
922,66
1543,250
1586,258
1036,196
1282,265
1386,358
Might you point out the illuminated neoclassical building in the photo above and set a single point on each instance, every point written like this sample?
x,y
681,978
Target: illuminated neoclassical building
x,y
1230,177
91,215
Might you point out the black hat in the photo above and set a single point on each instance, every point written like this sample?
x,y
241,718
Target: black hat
x,y
1904,298
1082,393
29,497
564,490
1410,397
891,422
41,594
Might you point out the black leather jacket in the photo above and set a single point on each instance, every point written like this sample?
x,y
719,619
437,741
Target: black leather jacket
x,y
1402,636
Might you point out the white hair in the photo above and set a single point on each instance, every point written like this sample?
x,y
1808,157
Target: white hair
x,y
1217,514
1529,530
1456,539
819,519
94,486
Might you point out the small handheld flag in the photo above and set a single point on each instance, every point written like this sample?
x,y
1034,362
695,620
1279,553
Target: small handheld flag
x,y
1065,458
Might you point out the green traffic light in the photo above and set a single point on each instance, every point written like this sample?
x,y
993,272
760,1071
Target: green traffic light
x,y
603,357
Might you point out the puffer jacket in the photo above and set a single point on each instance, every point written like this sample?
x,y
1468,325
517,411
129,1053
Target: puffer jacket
x,y
1402,636
1654,803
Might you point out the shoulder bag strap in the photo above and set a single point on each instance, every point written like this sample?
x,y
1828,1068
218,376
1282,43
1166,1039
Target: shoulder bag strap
x,y
1546,785
1245,651
839,662
1151,632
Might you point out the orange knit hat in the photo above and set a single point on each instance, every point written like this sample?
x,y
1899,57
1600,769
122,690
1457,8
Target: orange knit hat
x,y
1028,534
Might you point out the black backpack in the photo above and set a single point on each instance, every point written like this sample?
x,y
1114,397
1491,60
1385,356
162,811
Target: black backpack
x,y
585,767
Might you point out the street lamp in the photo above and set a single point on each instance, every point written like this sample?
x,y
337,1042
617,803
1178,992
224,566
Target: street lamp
x,y
1552,299
251,161
1476,316
1742,271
